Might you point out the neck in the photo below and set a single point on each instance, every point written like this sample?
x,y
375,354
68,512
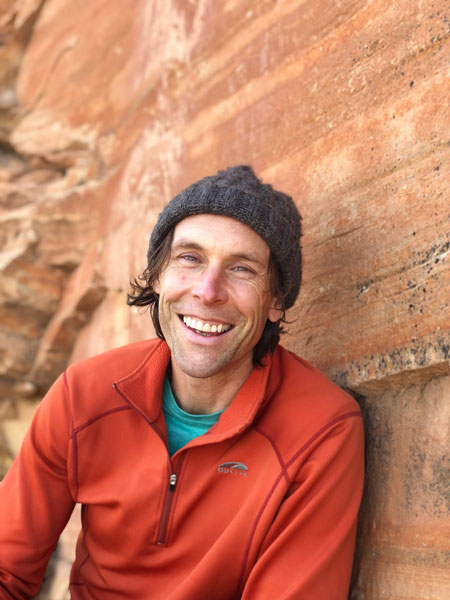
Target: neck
x,y
206,395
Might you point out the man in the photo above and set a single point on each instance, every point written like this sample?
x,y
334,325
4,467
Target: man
x,y
210,463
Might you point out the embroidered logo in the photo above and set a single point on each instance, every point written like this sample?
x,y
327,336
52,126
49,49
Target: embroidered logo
x,y
233,468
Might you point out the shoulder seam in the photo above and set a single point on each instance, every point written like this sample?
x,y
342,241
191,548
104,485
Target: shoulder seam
x,y
277,452
260,512
319,432
253,530
106,413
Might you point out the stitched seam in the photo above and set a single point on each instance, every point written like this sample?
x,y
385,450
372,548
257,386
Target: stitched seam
x,y
253,530
318,433
100,416
74,439
83,562
75,467
272,490
277,452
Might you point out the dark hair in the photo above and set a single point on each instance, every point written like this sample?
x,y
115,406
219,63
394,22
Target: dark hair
x,y
144,295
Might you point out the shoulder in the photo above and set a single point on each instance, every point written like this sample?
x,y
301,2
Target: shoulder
x,y
293,377
88,384
301,401
113,364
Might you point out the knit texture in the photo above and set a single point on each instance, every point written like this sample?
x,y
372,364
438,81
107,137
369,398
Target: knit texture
x,y
237,193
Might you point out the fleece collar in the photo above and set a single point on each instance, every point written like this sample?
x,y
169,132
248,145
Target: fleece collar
x,y
142,389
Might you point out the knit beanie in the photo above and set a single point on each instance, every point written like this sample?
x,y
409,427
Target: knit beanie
x,y
237,193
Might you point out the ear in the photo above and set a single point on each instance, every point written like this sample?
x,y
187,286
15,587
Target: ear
x,y
275,311
156,286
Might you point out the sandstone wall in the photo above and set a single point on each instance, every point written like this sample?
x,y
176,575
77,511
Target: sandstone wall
x,y
107,111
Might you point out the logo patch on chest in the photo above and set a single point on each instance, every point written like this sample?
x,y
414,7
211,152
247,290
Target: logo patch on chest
x,y
237,469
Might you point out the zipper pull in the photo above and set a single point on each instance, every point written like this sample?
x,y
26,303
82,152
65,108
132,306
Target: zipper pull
x,y
173,482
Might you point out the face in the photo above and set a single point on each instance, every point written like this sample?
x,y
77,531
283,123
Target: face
x,y
214,296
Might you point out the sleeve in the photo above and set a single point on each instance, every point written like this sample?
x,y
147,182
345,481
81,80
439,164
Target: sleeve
x,y
308,550
35,499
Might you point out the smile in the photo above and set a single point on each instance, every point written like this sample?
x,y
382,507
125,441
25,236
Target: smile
x,y
204,327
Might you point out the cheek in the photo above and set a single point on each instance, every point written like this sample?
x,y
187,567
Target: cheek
x,y
173,284
179,280
253,304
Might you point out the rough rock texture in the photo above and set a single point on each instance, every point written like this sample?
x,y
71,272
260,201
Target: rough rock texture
x,y
403,543
106,112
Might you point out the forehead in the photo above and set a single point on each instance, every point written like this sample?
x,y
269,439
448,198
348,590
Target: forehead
x,y
221,233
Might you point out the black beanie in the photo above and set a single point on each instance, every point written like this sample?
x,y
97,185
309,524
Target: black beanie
x,y
237,193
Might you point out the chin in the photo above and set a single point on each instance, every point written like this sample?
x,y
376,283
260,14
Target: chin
x,y
202,371
202,366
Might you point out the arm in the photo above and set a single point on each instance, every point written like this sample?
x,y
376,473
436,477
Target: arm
x,y
308,551
35,500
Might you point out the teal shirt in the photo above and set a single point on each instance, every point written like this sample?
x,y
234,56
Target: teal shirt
x,y
182,427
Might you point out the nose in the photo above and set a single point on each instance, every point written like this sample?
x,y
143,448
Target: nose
x,y
210,286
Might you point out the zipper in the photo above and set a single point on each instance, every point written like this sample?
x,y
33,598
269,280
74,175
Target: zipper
x,y
166,510
172,482
167,506
173,477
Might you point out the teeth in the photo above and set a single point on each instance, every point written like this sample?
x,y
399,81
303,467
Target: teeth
x,y
204,327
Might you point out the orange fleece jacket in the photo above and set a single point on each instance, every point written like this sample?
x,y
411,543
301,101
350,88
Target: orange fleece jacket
x,y
263,506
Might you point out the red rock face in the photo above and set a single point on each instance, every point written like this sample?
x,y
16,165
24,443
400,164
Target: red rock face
x,y
106,113
405,523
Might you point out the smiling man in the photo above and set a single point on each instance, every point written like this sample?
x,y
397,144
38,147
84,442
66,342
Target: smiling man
x,y
211,463
214,302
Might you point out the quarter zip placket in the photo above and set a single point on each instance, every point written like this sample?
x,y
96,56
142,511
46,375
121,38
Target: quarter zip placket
x,y
173,476
168,502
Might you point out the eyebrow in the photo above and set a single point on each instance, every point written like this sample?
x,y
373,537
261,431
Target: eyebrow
x,y
190,244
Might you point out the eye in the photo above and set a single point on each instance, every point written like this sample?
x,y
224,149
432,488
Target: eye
x,y
190,258
242,269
